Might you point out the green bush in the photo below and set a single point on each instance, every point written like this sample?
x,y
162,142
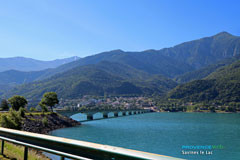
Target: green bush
x,y
11,120
4,105
22,112
45,121
33,109
44,108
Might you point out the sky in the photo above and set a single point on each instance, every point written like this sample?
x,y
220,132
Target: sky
x,y
53,29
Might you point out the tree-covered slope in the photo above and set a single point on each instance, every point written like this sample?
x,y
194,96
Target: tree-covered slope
x,y
221,86
19,77
205,71
148,61
105,78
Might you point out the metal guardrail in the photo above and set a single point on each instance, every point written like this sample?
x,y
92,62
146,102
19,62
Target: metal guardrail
x,y
74,149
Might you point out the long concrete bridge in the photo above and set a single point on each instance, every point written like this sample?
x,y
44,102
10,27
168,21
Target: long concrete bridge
x,y
105,113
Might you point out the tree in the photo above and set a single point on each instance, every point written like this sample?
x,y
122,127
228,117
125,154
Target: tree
x,y
17,102
4,105
49,99
43,107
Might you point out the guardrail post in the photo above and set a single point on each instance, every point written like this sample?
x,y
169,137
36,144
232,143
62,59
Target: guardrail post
x,y
62,158
25,153
2,147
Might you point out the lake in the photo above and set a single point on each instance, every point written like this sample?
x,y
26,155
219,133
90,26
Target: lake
x,y
182,135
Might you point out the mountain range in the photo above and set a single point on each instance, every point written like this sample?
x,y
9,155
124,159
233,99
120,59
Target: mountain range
x,y
104,78
150,72
29,64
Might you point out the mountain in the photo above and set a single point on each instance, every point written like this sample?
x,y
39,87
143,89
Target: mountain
x,y
221,86
147,61
28,64
104,78
14,77
205,51
144,72
169,62
205,71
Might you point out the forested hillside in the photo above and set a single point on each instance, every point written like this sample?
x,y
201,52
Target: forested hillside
x,y
205,71
221,86
105,78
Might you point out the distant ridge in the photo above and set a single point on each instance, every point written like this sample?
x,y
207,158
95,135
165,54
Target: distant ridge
x,y
170,62
29,64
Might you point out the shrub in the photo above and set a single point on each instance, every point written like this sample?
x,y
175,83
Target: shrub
x,y
11,120
4,105
33,109
45,121
22,112
44,108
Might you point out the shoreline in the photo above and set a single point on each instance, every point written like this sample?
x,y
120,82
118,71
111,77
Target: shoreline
x,y
198,112
45,123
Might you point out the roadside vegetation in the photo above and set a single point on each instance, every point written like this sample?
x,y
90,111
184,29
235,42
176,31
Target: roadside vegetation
x,y
15,152
15,114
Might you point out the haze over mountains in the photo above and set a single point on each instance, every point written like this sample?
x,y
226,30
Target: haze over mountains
x,y
29,64
129,73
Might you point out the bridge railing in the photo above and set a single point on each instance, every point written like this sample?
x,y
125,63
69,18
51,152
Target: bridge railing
x,y
73,149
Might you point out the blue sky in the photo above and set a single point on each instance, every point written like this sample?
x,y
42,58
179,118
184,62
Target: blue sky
x,y
51,29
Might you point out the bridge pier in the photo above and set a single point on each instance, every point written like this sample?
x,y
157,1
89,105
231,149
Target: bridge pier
x,y
115,114
89,117
105,114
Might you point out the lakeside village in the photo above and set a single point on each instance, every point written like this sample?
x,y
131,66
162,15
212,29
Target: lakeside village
x,y
116,103
124,103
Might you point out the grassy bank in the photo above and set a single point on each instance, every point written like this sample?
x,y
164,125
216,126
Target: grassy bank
x,y
15,152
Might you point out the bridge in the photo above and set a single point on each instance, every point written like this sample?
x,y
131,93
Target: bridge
x,y
105,113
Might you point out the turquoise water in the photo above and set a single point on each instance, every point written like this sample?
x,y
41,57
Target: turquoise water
x,y
165,133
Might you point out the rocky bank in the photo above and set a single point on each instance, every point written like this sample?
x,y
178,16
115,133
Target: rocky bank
x,y
45,123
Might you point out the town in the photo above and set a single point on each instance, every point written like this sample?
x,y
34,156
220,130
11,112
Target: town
x,y
106,103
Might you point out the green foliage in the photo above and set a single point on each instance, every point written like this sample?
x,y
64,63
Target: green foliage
x,y
33,109
11,120
43,108
45,122
22,112
204,72
17,102
4,105
49,99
